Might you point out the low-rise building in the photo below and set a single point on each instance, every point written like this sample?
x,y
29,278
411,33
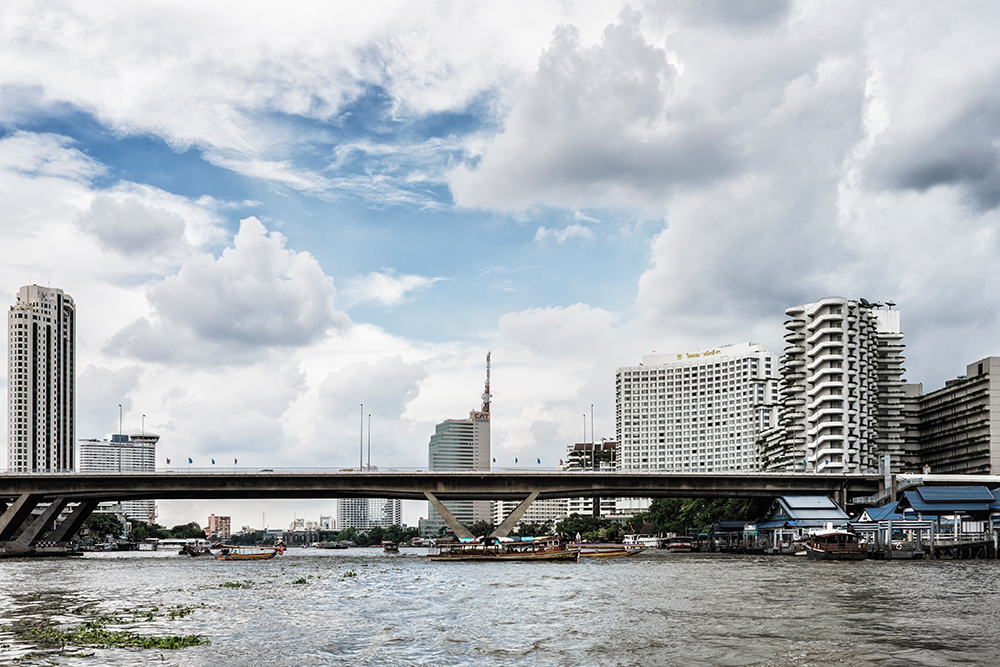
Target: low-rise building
x,y
219,527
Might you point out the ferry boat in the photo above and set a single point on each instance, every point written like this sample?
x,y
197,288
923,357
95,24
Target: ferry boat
x,y
505,549
835,544
248,553
390,547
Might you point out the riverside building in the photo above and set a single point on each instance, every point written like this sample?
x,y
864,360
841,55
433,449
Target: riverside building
x,y
461,444
41,386
958,426
695,411
368,513
842,395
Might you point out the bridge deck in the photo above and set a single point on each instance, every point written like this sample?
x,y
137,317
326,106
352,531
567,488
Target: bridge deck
x,y
411,485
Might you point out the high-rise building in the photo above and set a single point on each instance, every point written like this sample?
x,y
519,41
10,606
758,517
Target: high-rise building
x,y
368,513
123,453
959,424
539,512
695,411
842,395
41,387
462,444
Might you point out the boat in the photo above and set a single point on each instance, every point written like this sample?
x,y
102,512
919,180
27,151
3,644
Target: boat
x,y
835,544
610,552
390,547
248,553
679,545
194,550
505,549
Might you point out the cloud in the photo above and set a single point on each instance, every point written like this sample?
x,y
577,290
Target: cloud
x,y
562,235
99,393
386,287
46,155
255,296
596,125
385,387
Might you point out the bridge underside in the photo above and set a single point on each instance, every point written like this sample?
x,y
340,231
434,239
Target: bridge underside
x,y
27,525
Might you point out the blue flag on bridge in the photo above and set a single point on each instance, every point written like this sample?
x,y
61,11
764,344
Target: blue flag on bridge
x,y
539,462
515,459
213,461
189,460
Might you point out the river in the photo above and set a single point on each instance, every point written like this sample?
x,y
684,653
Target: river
x,y
360,606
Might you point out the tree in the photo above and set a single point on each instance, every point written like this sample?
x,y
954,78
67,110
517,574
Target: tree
x,y
677,515
142,531
481,528
187,531
103,527
535,529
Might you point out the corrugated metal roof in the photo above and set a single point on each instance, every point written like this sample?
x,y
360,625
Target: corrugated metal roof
x,y
946,494
914,500
808,502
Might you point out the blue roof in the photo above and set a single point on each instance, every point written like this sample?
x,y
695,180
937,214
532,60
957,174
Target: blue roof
x,y
950,500
796,509
887,512
948,494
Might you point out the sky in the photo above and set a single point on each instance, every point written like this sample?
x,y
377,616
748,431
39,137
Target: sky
x,y
271,214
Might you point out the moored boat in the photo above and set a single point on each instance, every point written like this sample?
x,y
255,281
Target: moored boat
x,y
679,545
505,549
248,553
610,552
390,547
835,544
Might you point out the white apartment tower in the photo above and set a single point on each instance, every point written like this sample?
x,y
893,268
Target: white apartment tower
x,y
41,387
462,444
696,411
125,453
842,389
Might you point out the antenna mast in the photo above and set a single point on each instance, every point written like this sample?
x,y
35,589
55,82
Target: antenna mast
x,y
486,394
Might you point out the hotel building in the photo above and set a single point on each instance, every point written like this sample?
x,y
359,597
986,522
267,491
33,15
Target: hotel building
x,y
123,453
695,411
842,395
41,386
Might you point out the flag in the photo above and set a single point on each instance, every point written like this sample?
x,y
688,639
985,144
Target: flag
x,y
539,462
168,461
213,461
494,459
515,459
189,460
235,460
560,462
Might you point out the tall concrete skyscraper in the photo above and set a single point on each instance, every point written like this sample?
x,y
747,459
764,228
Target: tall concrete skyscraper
x,y
41,387
462,444
842,392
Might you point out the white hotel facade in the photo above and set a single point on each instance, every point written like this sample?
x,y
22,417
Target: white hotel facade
x,y
696,411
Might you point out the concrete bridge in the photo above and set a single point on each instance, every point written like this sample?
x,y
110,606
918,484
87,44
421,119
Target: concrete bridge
x,y
24,526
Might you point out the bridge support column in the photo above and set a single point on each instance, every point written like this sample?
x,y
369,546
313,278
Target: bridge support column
x,y
449,518
72,523
507,525
41,525
17,514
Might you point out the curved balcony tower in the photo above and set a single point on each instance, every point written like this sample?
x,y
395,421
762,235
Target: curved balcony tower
x,y
841,388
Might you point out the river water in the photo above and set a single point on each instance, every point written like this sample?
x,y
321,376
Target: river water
x,y
360,606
